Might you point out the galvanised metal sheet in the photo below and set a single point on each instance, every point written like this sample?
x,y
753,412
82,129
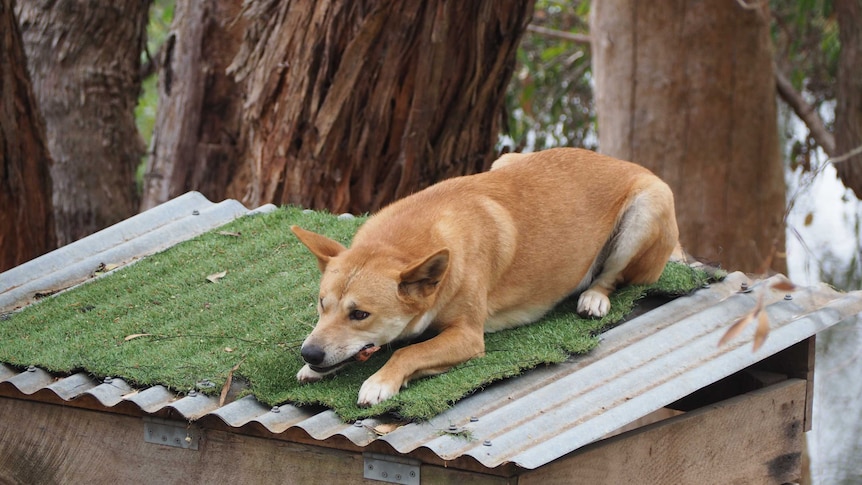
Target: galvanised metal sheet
x,y
149,232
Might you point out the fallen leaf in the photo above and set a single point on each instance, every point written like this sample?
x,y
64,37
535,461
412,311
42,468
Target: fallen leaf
x,y
136,335
228,233
784,285
226,387
385,428
213,278
228,349
809,218
762,330
104,268
736,328
743,322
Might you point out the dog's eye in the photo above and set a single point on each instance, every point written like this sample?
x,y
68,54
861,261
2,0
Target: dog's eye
x,y
358,315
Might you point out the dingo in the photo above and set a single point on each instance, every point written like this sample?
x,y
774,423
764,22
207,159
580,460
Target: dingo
x,y
482,253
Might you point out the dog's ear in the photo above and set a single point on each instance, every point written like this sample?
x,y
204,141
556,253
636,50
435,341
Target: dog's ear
x,y
321,246
420,280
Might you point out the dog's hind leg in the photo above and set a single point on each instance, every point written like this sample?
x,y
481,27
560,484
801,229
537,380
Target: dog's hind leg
x,y
642,242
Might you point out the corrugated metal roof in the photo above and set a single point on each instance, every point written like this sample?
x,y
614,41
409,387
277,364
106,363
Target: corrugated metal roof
x,y
149,232
640,366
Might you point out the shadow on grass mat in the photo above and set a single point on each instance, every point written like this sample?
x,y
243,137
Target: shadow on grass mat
x,y
239,301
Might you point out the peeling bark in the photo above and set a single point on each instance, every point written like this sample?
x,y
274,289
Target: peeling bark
x,y
352,104
197,127
26,221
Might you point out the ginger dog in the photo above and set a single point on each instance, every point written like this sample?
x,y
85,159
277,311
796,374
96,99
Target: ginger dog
x,y
482,253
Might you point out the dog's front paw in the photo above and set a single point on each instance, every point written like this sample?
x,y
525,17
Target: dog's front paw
x,y
375,389
307,375
593,304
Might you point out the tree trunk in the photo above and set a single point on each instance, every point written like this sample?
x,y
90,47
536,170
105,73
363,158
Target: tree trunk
x,y
848,111
26,221
687,90
84,59
197,126
351,104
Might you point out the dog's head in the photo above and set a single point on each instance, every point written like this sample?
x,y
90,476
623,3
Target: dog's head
x,y
368,297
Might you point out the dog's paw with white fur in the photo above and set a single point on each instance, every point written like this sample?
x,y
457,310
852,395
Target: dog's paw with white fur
x,y
307,375
376,390
593,304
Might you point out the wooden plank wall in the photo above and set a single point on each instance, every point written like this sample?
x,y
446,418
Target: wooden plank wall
x,y
752,438
755,438
52,444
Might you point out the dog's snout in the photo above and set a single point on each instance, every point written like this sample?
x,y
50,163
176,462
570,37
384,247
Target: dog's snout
x,y
312,354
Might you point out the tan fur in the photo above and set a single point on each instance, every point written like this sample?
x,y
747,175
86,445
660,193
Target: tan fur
x,y
482,253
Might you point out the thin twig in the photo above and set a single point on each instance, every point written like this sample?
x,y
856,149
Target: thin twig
x,y
846,156
806,112
559,34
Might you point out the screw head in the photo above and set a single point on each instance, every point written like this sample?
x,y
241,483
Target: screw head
x,y
108,380
196,212
276,409
486,443
193,393
206,384
474,419
788,297
452,427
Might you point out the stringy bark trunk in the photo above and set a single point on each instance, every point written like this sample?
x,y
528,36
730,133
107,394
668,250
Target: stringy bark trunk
x,y
351,104
687,89
26,221
194,143
84,59
848,111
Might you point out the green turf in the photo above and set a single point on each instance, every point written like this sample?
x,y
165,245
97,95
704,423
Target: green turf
x,y
160,321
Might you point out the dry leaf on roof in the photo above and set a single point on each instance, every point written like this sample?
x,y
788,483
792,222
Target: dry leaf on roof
x,y
385,428
226,387
136,335
783,285
762,330
213,278
739,325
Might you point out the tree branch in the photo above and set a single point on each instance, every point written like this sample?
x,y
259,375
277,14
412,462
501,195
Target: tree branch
x,y
846,156
806,112
559,34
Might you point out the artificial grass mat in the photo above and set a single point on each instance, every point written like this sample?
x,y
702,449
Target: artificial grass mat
x,y
161,321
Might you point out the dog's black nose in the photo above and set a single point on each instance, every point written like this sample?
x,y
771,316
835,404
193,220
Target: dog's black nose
x,y
312,354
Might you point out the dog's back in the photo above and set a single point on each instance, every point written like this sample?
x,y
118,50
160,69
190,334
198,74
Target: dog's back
x,y
535,226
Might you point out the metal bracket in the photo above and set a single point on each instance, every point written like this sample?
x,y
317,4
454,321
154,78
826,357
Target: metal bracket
x,y
178,434
391,469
